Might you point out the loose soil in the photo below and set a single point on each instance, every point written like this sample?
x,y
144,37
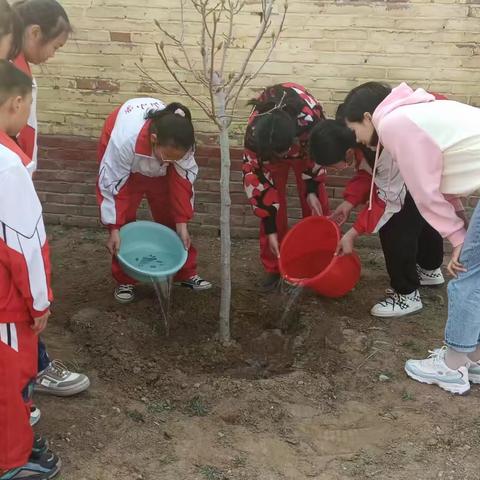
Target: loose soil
x,y
318,393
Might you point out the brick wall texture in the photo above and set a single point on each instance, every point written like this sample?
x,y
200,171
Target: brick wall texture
x,y
66,186
329,46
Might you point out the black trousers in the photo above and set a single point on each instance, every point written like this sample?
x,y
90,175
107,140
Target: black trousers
x,y
407,240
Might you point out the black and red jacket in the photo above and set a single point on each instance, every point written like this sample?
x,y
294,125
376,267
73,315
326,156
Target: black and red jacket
x,y
257,179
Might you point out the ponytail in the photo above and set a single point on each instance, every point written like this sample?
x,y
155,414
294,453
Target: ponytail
x,y
173,126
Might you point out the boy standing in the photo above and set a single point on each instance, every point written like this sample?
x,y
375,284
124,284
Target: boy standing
x,y
25,293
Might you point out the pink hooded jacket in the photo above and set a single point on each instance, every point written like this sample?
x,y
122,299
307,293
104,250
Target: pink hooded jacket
x,y
436,144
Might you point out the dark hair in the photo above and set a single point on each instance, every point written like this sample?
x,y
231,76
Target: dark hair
x,y
173,126
10,23
340,114
329,142
275,128
13,81
49,15
273,132
364,98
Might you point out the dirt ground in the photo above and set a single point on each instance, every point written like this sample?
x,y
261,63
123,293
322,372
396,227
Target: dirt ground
x,y
317,394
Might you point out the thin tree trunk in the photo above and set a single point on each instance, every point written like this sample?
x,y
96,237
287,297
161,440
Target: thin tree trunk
x,y
224,220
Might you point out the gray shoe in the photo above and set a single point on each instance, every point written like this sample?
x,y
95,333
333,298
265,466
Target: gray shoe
x,y
56,379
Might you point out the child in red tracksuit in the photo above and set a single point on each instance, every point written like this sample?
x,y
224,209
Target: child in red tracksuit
x,y
413,250
45,29
275,142
25,293
147,150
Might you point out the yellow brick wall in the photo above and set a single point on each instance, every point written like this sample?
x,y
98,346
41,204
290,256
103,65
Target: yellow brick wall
x,y
328,45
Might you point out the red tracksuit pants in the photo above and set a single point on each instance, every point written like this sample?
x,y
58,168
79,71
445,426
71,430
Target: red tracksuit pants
x,y
155,189
18,368
279,172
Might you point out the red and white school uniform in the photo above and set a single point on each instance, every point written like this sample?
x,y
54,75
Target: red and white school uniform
x,y
129,172
265,183
24,294
27,138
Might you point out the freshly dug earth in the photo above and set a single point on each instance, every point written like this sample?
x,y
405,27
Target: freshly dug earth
x,y
317,392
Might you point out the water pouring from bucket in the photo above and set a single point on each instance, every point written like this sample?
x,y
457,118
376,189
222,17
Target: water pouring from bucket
x,y
152,253
307,258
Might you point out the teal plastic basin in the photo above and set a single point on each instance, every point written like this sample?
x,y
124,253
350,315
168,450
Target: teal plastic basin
x,y
150,251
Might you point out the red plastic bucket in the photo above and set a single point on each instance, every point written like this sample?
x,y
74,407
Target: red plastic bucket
x,y
307,258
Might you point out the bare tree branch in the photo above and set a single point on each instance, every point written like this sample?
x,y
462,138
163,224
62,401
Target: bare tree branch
x,y
267,6
228,38
212,62
202,105
159,86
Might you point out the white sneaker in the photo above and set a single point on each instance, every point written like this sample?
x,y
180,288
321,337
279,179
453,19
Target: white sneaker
x,y
474,372
35,415
430,277
196,283
124,293
434,371
397,305
473,368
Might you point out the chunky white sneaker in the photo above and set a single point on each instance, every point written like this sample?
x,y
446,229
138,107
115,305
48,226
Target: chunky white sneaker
x,y
196,283
474,372
397,305
56,379
430,277
124,293
434,371
35,415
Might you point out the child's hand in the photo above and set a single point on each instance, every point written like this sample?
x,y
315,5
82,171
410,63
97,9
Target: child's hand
x,y
273,243
182,232
40,323
113,243
314,204
454,265
341,213
346,243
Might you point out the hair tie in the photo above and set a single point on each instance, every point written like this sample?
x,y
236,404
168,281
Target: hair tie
x,y
180,112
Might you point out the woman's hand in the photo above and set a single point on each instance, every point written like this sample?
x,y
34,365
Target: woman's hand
x,y
182,232
341,213
346,243
454,265
113,243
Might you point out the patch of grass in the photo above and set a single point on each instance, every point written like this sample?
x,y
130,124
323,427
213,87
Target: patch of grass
x,y
406,396
160,407
197,407
136,416
211,473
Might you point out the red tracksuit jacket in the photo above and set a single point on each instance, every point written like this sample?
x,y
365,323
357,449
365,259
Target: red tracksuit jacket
x,y
27,138
257,180
125,148
25,291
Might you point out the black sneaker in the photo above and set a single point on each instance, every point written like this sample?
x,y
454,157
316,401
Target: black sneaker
x,y
40,447
196,283
44,468
271,282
